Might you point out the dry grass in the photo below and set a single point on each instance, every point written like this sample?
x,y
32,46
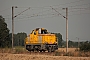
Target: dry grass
x,y
69,49
8,56
15,50
20,53
72,52
59,52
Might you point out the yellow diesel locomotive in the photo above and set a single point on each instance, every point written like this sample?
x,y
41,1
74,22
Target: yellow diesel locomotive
x,y
41,40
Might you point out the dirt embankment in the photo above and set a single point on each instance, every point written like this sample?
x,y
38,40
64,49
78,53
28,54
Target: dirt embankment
x,y
8,56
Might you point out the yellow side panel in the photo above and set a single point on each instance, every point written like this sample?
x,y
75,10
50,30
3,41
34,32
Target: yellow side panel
x,y
50,39
33,39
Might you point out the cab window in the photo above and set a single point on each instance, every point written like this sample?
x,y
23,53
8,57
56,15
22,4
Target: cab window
x,y
44,32
34,33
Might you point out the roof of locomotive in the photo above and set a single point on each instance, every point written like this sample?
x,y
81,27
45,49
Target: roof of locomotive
x,y
40,28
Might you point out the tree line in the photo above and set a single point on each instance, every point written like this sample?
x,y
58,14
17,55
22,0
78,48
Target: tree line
x,y
6,37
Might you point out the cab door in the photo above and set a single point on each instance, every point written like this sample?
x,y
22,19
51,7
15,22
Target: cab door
x,y
35,38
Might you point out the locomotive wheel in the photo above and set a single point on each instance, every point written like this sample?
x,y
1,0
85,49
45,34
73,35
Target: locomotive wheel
x,y
43,50
49,50
40,50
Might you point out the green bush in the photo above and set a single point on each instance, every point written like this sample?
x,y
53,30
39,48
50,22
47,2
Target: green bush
x,y
85,46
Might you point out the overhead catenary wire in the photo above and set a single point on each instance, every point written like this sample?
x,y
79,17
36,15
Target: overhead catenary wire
x,y
21,12
58,5
38,17
80,5
40,13
44,6
75,10
45,15
58,12
28,15
30,19
52,5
